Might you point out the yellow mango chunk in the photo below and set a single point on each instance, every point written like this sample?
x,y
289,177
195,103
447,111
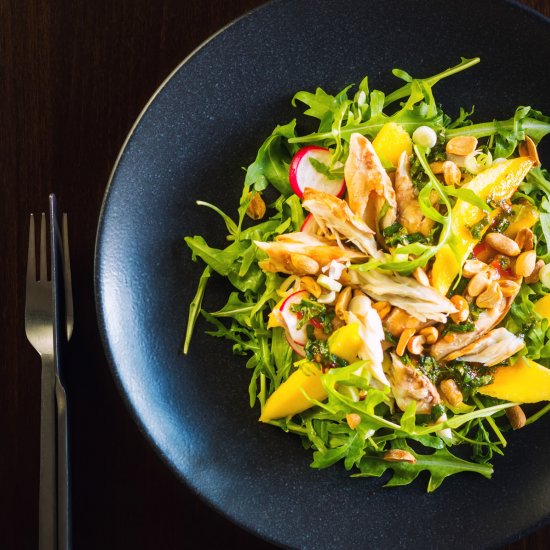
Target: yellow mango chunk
x,y
523,382
498,183
288,399
346,342
390,142
542,307
524,216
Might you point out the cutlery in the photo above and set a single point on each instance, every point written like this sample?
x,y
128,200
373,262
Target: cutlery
x,y
63,328
49,321
39,329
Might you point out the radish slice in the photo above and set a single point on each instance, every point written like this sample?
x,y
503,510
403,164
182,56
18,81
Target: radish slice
x,y
298,348
302,174
310,226
290,318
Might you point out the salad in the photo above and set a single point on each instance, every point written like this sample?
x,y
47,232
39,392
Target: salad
x,y
390,277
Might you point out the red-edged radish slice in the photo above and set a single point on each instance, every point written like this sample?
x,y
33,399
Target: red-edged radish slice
x,y
302,174
298,348
290,318
310,226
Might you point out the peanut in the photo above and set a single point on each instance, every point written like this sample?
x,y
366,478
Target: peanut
x,y
304,264
508,287
534,277
431,334
399,455
503,244
353,420
472,267
527,148
461,145
478,283
451,173
415,345
516,417
451,392
342,302
525,263
256,207
490,297
463,310
310,284
525,238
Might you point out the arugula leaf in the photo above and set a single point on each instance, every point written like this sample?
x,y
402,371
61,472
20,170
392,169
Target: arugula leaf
x,y
273,160
195,307
440,464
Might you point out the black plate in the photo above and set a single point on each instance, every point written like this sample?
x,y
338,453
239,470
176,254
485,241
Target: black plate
x,y
190,143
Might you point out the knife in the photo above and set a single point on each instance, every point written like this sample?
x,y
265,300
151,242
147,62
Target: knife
x,y
62,297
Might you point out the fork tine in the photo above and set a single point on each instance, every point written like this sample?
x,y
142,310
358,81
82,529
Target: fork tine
x,y
69,314
31,255
43,256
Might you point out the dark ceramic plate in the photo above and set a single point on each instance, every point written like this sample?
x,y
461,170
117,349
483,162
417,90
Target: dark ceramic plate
x,y
190,143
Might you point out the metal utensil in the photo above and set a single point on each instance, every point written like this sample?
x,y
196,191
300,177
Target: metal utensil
x,y
39,329
63,328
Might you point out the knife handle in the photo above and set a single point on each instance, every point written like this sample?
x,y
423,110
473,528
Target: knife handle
x,y
62,468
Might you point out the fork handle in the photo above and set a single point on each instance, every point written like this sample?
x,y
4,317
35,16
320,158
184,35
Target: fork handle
x,y
47,528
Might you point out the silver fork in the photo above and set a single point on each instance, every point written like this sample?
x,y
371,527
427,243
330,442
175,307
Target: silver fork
x,y
39,330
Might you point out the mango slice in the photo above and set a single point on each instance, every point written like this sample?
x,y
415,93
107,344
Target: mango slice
x,y
542,307
524,216
390,142
346,342
288,399
498,183
523,382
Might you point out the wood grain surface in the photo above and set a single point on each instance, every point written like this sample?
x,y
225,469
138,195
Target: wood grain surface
x,y
74,75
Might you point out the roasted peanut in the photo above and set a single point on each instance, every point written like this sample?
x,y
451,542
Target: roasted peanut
x,y
256,207
463,310
436,167
451,392
406,335
399,455
490,297
478,283
431,334
383,309
525,238
416,344
420,275
534,277
503,244
353,420
304,264
525,263
310,284
508,287
472,267
516,417
342,302
451,173
461,145
527,148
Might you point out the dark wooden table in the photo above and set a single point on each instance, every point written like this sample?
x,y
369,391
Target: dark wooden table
x,y
74,75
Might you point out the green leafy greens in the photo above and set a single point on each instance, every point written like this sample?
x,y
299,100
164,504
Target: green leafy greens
x,y
379,427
